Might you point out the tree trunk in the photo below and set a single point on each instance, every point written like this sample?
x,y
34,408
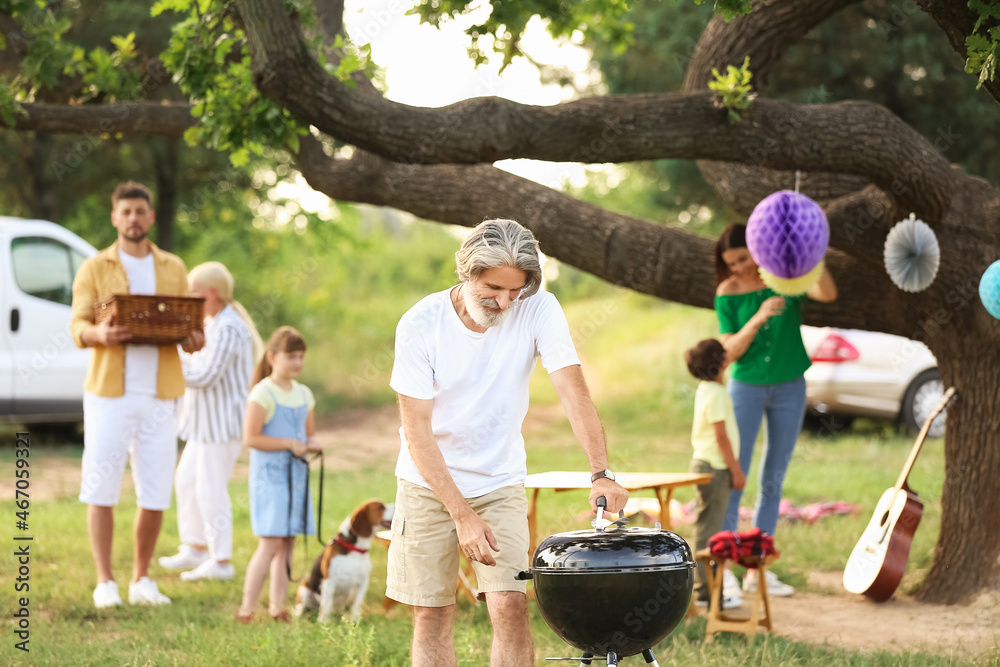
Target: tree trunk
x,y
42,204
165,162
965,558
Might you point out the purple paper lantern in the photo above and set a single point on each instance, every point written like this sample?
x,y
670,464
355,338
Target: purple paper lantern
x,y
787,234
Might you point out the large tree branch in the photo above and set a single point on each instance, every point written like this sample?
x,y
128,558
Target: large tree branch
x,y
330,18
144,118
853,138
763,35
845,138
660,261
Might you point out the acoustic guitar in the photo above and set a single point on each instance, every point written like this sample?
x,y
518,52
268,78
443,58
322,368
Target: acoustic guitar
x,y
877,564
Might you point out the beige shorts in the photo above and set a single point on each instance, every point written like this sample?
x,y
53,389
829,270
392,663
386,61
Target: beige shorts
x,y
423,556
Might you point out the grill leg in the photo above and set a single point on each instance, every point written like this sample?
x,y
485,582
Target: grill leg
x,y
648,655
612,659
585,660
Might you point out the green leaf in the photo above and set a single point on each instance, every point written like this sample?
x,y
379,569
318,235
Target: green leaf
x,y
192,136
125,45
240,157
179,6
9,106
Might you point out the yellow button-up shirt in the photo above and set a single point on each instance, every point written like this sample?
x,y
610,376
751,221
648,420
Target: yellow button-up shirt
x,y
101,276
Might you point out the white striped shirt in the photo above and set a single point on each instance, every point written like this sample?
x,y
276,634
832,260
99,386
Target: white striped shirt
x,y
218,382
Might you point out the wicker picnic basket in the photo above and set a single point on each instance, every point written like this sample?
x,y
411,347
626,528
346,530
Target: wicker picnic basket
x,y
153,319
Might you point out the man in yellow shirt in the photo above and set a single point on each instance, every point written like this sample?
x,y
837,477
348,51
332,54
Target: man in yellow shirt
x,y
130,394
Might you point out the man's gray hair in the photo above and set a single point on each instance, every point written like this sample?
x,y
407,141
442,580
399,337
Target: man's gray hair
x,y
500,242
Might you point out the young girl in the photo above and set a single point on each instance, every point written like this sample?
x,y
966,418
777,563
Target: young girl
x,y
278,428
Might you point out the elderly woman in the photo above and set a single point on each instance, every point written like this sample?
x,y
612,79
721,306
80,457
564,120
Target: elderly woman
x,y
211,424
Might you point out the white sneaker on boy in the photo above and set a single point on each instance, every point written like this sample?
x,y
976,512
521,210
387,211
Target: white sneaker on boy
x,y
186,558
775,587
731,587
728,602
145,591
106,595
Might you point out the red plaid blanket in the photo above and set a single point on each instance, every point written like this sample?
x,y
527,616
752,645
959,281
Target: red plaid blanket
x,y
737,546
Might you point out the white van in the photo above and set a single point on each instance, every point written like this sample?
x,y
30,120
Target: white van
x,y
41,370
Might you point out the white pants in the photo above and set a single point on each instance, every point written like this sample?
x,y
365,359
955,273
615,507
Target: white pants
x,y
134,427
204,512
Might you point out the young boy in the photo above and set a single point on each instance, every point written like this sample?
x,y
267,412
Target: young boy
x,y
716,443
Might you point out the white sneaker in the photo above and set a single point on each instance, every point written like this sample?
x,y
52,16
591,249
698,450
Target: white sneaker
x,y
210,569
775,587
145,591
106,595
730,584
185,558
728,602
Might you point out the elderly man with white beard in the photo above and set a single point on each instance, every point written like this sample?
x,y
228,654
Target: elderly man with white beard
x,y
462,364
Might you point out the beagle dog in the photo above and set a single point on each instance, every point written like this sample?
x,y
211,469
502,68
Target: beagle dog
x,y
339,577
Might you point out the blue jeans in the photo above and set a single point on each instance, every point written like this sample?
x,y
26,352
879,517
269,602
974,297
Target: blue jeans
x,y
785,406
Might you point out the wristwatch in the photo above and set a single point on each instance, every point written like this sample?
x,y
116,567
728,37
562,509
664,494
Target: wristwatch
x,y
604,473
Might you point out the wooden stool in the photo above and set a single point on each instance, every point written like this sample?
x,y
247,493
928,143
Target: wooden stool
x,y
466,575
760,606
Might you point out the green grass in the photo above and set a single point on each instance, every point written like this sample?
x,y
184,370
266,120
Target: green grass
x,y
632,360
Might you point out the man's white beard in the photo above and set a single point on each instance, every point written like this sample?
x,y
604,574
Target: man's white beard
x,y
477,309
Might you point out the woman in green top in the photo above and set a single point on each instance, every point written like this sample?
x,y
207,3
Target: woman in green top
x,y
761,332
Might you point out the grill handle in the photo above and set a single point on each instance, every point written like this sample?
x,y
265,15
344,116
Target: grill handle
x,y
523,576
600,523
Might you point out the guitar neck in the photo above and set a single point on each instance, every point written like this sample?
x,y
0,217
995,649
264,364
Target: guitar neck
x,y
921,437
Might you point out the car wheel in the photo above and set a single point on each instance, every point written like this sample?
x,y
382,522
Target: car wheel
x,y
920,399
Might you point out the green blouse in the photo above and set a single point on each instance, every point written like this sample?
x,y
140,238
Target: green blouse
x,y
776,354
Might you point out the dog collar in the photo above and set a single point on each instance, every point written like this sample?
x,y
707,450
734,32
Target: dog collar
x,y
347,545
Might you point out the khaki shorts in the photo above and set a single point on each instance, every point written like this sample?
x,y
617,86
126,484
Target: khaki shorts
x,y
423,555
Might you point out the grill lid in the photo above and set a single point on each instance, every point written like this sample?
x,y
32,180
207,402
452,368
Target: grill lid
x,y
615,550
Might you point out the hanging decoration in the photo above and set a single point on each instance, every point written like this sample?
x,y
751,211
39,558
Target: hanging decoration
x,y
792,286
787,236
912,254
989,289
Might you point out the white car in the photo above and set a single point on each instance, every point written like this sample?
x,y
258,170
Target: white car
x,y
41,370
869,374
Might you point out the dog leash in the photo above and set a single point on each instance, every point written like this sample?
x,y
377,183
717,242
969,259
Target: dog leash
x,y
305,507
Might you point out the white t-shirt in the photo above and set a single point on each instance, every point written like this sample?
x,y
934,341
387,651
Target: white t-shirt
x,y
479,384
141,361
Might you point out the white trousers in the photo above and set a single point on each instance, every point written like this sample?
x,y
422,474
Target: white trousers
x,y
136,428
204,511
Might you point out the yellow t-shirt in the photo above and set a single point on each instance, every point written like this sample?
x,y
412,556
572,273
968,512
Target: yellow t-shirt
x,y
290,399
712,405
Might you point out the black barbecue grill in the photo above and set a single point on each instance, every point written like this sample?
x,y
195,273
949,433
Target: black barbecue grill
x,y
612,591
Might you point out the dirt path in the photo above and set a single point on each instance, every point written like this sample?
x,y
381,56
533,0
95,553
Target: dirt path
x,y
840,619
826,614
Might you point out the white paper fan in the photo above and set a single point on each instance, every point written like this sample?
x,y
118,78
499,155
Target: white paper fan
x,y
912,254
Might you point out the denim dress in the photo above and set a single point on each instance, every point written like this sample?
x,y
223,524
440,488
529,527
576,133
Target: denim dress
x,y
274,474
